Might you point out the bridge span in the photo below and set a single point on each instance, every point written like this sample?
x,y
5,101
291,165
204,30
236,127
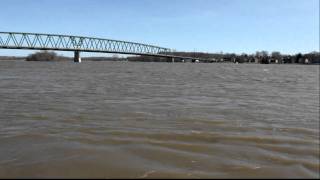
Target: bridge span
x,y
77,44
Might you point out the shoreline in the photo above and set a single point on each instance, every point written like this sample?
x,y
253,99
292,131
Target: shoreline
x,y
90,60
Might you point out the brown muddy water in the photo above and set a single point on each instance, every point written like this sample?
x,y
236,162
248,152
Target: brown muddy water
x,y
158,120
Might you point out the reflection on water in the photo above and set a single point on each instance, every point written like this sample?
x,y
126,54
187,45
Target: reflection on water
x,y
145,120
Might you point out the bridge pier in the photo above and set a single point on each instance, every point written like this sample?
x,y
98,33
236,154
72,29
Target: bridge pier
x,y
77,58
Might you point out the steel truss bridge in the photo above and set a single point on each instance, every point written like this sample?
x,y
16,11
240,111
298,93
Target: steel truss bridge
x,y
77,44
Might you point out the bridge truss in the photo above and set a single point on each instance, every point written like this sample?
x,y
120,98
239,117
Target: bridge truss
x,y
35,41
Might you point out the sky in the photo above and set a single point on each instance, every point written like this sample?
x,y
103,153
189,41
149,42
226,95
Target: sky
x,y
229,26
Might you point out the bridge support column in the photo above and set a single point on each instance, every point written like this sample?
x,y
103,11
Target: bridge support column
x,y
77,58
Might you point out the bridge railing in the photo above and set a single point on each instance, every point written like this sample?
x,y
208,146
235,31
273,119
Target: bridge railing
x,y
17,40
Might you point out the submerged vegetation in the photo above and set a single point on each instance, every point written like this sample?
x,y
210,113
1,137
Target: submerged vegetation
x,y
45,56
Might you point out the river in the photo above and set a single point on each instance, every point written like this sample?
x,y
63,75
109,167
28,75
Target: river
x,y
158,120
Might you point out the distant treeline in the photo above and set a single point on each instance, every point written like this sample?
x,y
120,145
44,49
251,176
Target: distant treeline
x,y
261,57
52,56
46,56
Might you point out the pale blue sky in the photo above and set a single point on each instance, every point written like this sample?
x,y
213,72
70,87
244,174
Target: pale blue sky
x,y
289,26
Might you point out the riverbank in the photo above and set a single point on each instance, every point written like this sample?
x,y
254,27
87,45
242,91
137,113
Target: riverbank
x,y
258,58
98,59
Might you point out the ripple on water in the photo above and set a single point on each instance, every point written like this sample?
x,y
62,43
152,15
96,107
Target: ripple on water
x,y
153,120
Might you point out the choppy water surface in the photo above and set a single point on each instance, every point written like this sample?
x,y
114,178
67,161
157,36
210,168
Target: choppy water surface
x,y
152,120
